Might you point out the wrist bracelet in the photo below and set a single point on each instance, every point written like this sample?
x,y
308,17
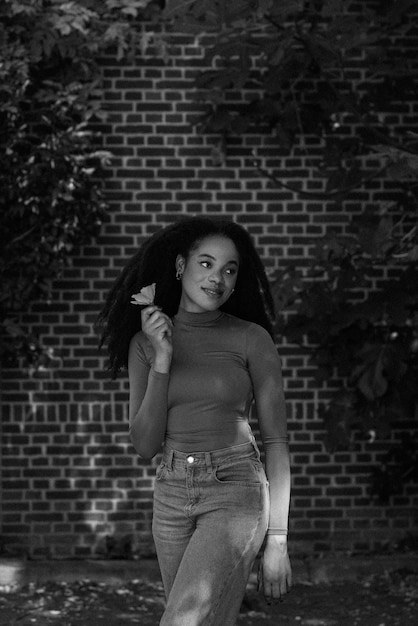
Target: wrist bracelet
x,y
277,531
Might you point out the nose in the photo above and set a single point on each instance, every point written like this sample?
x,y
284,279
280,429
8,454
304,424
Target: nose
x,y
216,277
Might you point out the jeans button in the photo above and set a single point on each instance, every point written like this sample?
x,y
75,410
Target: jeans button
x,y
190,459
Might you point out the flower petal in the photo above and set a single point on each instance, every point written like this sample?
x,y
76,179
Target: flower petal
x,y
145,296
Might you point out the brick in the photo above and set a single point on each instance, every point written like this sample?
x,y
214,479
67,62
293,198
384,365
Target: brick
x,y
67,463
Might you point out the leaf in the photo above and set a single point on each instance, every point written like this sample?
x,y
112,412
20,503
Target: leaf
x,y
412,254
375,234
218,154
373,383
285,9
339,417
404,169
219,121
399,9
13,329
332,8
239,125
335,180
224,79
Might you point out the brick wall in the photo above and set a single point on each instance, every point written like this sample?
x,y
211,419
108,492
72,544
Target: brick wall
x,y
71,482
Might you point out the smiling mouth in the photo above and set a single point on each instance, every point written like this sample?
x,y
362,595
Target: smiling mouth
x,y
215,293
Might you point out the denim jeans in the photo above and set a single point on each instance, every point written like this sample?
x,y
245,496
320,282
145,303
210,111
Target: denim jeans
x,y
210,518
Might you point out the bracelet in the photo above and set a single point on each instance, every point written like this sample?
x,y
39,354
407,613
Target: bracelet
x,y
277,531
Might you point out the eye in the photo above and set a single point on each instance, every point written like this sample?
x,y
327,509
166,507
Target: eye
x,y
205,263
231,271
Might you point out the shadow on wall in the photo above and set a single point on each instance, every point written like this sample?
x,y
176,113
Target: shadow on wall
x,y
73,486
111,517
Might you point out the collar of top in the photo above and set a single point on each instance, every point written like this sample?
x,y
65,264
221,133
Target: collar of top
x,y
197,319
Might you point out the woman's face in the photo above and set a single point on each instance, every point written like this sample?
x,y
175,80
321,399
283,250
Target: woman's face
x,y
209,274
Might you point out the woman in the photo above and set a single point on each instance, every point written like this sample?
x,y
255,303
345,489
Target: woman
x,y
198,354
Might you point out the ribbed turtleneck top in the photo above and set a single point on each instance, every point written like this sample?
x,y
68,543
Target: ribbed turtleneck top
x,y
220,364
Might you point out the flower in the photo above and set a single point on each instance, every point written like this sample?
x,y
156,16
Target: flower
x,y
145,297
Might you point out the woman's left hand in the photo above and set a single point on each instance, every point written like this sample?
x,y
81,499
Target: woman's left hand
x,y
275,573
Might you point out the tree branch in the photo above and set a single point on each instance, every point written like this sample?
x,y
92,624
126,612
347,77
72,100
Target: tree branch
x,y
317,195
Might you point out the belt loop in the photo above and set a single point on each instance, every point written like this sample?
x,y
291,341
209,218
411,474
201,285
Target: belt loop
x,y
255,446
208,461
170,455
253,441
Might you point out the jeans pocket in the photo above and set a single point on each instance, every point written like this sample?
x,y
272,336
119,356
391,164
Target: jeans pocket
x,y
161,471
240,472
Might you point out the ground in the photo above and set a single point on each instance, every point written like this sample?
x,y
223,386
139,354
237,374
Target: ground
x,y
388,599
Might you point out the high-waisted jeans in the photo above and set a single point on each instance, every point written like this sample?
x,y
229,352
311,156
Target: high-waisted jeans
x,y
210,518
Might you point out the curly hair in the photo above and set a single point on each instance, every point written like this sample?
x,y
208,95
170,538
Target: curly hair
x,y
155,263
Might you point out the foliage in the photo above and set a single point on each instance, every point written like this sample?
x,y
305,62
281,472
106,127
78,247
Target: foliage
x,y
366,336
398,466
50,194
294,59
356,310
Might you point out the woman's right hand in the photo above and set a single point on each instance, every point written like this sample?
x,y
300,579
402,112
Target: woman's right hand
x,y
157,327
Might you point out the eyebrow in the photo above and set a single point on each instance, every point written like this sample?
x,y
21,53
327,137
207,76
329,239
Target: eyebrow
x,y
214,258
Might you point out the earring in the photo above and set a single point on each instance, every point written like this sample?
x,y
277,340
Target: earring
x,y
179,274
